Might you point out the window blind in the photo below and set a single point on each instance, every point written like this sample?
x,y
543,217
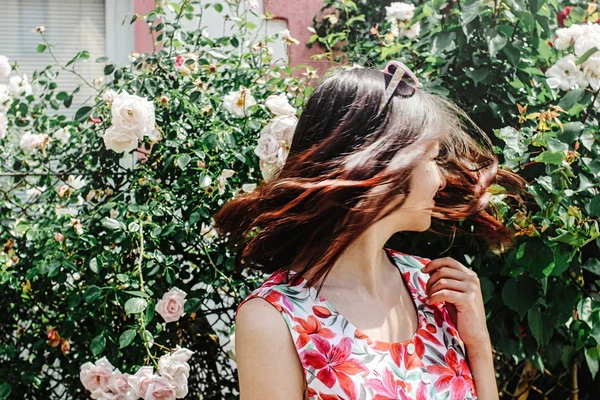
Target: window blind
x,y
71,25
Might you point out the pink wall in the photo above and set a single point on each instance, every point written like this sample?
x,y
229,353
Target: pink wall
x,y
299,17
143,40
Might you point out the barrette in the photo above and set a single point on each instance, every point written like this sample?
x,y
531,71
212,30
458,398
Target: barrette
x,y
397,76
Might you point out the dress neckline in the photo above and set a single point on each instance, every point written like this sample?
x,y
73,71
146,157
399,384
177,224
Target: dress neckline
x,y
421,319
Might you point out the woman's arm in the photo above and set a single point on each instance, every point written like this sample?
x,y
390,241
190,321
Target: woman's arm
x,y
459,287
267,361
481,362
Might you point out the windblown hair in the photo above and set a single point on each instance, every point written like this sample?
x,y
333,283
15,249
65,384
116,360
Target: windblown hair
x,y
346,163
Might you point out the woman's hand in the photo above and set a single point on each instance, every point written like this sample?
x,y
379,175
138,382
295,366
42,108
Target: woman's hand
x,y
459,287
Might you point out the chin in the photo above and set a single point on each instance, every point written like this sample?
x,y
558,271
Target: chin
x,y
422,226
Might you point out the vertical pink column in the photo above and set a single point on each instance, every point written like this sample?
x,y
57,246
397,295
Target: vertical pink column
x,y
299,16
143,39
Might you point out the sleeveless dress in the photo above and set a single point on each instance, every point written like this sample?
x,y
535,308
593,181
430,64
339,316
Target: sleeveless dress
x,y
341,362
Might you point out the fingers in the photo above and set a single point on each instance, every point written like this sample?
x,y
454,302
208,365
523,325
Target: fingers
x,y
448,262
450,284
446,272
447,295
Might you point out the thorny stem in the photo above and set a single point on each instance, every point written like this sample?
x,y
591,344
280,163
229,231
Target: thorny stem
x,y
589,110
58,64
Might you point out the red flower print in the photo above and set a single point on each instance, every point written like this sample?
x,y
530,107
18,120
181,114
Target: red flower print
x,y
321,312
310,326
330,397
456,377
334,364
387,388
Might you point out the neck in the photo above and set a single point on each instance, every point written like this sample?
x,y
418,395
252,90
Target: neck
x,y
363,267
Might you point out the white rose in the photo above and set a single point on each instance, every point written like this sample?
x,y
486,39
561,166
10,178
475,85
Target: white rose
x,y
267,148
225,174
587,41
282,127
120,140
5,67
239,102
565,37
565,74
160,388
249,187
591,71
174,367
279,105
413,31
5,98
3,125
62,135
76,183
18,85
253,4
170,307
30,141
399,11
96,376
133,114
109,96
287,38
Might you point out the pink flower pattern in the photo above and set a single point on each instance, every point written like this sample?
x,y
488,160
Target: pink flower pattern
x,y
341,362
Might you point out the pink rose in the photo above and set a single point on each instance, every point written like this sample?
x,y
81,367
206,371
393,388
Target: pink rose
x,y
96,376
160,388
170,307
175,368
141,380
59,237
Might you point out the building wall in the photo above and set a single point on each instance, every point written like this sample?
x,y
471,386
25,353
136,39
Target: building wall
x,y
294,15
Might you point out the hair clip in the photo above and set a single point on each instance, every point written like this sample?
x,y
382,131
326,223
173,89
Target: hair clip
x,y
397,76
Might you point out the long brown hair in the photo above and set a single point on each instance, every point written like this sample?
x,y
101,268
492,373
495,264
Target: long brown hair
x,y
347,162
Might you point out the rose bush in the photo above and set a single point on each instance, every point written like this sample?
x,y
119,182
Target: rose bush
x,y
114,284
527,72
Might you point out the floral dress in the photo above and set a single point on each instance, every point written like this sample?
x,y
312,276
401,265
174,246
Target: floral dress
x,y
341,362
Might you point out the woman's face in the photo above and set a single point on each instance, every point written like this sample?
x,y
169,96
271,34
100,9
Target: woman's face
x,y
426,180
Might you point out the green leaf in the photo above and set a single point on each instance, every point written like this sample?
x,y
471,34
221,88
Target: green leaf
x,y
571,98
520,294
541,328
126,338
110,223
551,157
94,265
170,275
595,206
101,59
5,390
513,54
470,11
41,47
92,293
442,41
495,40
586,55
83,113
183,160
478,75
218,7
591,358
192,305
109,69
135,305
97,345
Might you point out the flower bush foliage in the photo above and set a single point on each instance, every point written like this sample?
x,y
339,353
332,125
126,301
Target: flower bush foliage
x,y
527,72
114,284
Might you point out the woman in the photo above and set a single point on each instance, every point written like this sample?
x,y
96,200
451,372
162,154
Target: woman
x,y
342,316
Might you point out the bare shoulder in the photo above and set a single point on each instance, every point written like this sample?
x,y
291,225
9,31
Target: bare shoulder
x,y
267,360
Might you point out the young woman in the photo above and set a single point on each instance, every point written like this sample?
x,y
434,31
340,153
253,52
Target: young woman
x,y
342,316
